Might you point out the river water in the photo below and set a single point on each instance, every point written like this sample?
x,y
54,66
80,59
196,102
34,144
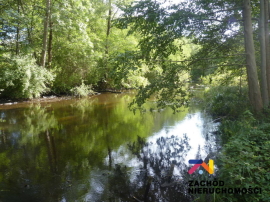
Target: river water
x,y
96,150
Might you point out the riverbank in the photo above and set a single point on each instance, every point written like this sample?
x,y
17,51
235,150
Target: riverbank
x,y
7,102
53,97
244,160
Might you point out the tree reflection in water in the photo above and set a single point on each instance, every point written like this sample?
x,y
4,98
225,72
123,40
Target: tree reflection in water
x,y
161,175
77,151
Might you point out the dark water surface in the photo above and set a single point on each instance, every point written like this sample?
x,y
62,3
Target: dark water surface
x,y
96,150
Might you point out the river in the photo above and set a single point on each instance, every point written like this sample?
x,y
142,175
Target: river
x,y
95,150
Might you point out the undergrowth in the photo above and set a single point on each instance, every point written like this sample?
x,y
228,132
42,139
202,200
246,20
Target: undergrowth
x,y
21,77
244,160
82,91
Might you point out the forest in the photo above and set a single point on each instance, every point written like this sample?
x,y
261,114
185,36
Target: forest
x,y
77,46
160,48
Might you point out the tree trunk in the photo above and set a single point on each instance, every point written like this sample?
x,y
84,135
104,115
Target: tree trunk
x,y
253,82
109,19
45,33
18,30
108,28
29,28
262,37
50,45
51,151
267,48
110,157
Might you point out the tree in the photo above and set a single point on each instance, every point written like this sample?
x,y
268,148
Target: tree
x,y
108,27
50,42
267,49
253,82
263,53
215,26
18,30
45,33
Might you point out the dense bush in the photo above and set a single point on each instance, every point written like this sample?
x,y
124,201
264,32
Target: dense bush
x,y
21,77
229,101
82,90
244,159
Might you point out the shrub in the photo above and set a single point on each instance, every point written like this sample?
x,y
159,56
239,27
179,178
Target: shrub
x,y
82,90
21,77
226,101
244,161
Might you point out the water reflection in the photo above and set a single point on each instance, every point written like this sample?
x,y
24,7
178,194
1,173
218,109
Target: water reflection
x,y
97,150
155,168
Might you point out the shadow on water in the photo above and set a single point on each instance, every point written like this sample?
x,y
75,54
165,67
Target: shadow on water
x,y
155,179
97,150
160,174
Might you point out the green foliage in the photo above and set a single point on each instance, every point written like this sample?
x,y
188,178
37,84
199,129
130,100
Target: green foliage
x,y
225,77
220,65
155,26
216,37
77,43
21,77
86,53
82,90
127,70
226,101
81,47
166,88
244,160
